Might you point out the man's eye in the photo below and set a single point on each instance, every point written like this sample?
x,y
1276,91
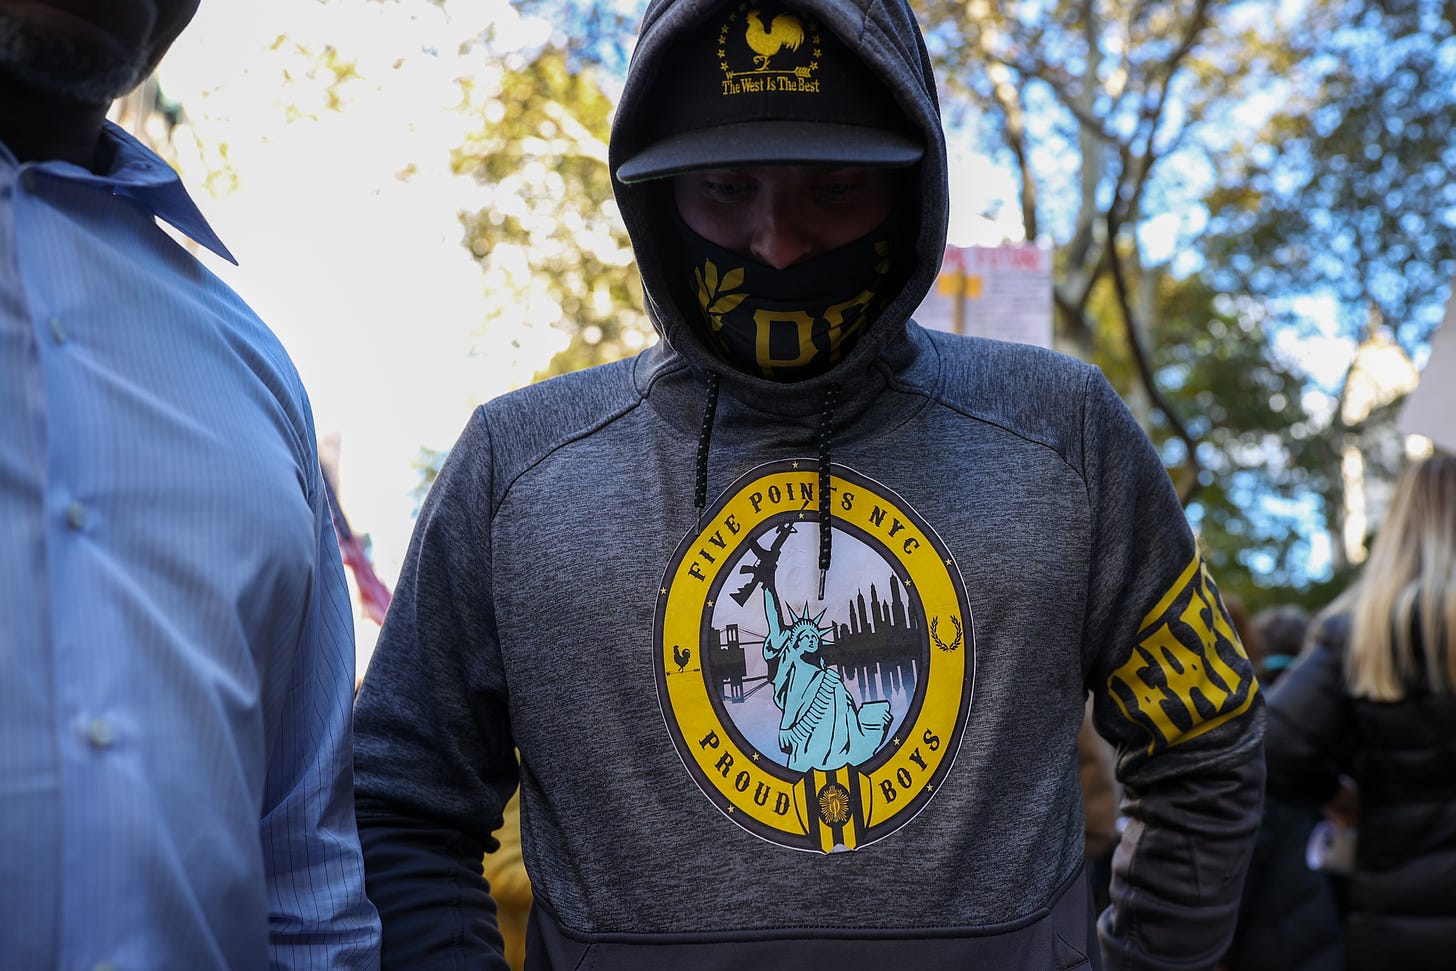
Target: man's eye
x,y
839,190
725,190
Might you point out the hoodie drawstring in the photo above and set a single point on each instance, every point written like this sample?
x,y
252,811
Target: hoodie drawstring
x,y
826,432
826,529
700,490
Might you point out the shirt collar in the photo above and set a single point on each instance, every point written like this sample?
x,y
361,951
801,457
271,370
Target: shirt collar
x,y
138,173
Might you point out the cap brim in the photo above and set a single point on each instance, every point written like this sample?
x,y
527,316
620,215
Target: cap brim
x,y
771,143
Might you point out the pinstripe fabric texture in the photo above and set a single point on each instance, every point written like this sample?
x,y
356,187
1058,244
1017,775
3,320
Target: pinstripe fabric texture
x,y
176,643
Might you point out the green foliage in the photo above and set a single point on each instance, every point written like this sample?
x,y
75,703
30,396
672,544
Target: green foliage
x,y
1085,101
1347,189
1239,402
1345,192
427,464
550,241
1301,150
550,237
1251,511
592,33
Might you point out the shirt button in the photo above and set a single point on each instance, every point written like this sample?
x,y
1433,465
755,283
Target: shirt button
x,y
57,331
27,180
76,515
103,966
100,733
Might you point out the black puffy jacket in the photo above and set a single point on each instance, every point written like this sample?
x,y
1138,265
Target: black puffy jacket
x,y
1402,755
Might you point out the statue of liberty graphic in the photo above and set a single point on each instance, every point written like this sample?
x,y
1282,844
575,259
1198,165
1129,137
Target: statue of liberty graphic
x,y
821,727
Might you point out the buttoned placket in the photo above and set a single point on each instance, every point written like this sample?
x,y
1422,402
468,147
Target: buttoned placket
x,y
95,730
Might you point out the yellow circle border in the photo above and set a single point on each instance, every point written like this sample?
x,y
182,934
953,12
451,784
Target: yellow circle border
x,y
751,787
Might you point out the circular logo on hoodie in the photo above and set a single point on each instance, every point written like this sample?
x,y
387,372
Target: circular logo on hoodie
x,y
820,723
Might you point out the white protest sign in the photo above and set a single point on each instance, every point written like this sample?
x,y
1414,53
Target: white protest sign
x,y
1002,292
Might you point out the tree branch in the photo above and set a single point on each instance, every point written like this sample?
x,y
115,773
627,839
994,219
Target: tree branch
x,y
1187,484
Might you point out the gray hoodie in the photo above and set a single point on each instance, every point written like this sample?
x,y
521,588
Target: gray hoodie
x,y
616,574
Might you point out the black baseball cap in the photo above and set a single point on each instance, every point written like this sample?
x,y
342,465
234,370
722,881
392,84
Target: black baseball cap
x,y
763,84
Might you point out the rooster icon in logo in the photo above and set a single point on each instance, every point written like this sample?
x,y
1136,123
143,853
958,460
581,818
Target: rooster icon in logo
x,y
784,31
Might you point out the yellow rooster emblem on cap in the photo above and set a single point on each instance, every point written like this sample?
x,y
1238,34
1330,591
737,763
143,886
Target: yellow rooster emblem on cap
x,y
786,31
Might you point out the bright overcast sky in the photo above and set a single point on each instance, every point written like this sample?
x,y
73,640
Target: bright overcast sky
x,y
360,272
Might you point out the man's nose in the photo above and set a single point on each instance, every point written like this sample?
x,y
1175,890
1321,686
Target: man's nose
x,y
780,237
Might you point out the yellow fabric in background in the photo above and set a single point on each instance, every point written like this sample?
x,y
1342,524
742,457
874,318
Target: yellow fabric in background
x,y
509,885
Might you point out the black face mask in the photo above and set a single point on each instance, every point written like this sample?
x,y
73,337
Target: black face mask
x,y
792,323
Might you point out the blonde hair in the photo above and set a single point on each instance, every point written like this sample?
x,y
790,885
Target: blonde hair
x,y
1408,588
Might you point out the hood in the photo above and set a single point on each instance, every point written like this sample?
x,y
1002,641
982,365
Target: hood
x,y
885,36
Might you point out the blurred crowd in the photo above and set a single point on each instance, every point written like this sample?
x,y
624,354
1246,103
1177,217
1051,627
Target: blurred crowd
x,y
1357,848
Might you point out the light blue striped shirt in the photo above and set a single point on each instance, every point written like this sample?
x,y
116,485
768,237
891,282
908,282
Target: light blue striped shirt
x,y
176,643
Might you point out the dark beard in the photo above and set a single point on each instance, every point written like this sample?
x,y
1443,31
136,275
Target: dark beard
x,y
57,66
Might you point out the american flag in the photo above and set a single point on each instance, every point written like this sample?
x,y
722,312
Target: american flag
x,y
374,596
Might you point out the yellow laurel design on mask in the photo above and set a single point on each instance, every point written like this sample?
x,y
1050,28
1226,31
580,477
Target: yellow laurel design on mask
x,y
714,294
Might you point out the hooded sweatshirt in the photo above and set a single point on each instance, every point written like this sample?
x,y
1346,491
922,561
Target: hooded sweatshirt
x,y
617,576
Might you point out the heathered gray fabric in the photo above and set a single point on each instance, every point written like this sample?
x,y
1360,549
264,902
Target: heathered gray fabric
x,y
525,613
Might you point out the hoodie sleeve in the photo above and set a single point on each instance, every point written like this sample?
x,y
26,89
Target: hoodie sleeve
x,y
434,760
1175,693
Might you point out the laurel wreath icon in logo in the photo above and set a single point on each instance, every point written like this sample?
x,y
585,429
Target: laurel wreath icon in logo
x,y
955,642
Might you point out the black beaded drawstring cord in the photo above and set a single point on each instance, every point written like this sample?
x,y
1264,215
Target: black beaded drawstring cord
x,y
826,527
700,490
